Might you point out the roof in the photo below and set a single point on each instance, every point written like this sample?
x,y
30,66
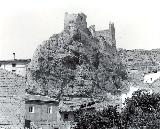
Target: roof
x,y
73,105
63,107
26,61
40,98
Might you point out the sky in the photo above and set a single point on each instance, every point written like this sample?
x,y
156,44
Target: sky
x,y
24,24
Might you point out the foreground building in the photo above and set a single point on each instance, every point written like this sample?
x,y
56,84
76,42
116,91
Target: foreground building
x,y
42,111
47,113
12,104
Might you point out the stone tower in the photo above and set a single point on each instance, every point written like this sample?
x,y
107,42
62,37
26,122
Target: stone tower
x,y
73,22
112,31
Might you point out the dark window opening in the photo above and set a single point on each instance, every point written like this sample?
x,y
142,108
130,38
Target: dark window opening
x,y
31,109
130,59
71,21
81,18
66,116
49,110
13,70
27,123
13,65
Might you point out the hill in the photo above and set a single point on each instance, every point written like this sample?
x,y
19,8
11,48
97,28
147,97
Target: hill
x,y
139,59
78,62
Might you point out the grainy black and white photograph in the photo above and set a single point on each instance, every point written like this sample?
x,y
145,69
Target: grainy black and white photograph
x,y
79,64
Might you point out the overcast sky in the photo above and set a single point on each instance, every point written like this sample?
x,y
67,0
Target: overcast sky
x,y
26,23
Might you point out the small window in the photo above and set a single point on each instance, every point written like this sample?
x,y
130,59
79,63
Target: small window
x,y
13,71
81,18
31,109
66,116
71,21
13,65
49,110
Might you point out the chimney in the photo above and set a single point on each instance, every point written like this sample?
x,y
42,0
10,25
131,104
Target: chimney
x,y
13,56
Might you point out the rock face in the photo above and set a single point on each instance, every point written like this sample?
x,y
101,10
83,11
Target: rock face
x,y
12,104
142,60
77,62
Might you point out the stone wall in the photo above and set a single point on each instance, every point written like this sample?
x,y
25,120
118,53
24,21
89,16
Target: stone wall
x,y
75,21
40,114
12,105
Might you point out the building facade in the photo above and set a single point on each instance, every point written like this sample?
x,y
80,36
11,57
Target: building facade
x,y
42,111
18,66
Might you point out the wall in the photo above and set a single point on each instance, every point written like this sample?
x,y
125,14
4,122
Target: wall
x,y
20,67
151,77
104,33
40,116
12,105
75,21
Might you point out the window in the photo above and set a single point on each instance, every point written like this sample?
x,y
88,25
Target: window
x,y
13,65
13,71
66,116
49,110
71,21
31,109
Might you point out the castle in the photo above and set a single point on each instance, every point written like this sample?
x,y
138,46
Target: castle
x,y
74,22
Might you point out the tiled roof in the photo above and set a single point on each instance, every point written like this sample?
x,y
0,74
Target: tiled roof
x,y
15,61
73,105
29,97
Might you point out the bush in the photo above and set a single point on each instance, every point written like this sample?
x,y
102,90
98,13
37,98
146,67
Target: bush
x,y
108,118
142,110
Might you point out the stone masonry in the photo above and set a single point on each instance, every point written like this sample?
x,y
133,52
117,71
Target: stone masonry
x,y
12,104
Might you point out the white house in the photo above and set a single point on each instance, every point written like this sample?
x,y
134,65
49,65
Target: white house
x,y
151,77
18,66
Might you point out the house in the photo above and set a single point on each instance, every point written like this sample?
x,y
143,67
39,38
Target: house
x,y
12,104
151,77
18,66
69,106
42,111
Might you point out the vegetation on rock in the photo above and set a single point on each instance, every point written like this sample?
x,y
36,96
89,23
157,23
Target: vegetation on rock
x,y
75,65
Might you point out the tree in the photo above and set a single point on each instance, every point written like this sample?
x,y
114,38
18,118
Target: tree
x,y
107,118
142,110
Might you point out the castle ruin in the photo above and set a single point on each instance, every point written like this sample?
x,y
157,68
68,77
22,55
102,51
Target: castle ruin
x,y
74,22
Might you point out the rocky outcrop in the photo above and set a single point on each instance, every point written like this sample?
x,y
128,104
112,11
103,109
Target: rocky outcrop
x,y
76,63
139,59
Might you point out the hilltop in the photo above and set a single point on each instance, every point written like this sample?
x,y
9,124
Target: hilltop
x,y
78,62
